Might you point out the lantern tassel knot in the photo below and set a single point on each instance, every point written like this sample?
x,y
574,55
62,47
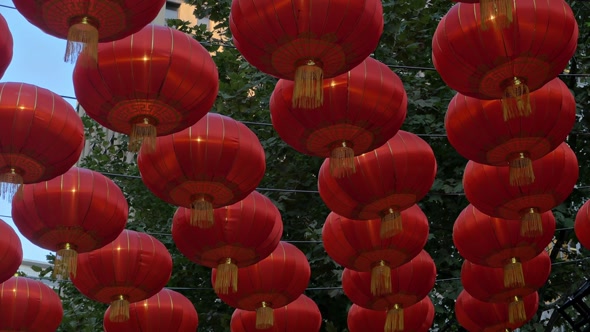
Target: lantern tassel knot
x,y
531,223
308,91
513,274
516,311
521,171
342,161
381,279
119,310
516,101
82,38
11,184
264,316
66,262
391,224
227,276
202,213
143,136
496,13
395,319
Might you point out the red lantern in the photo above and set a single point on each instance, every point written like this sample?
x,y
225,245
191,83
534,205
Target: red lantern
x,y
388,180
487,283
305,43
6,46
477,130
274,282
243,234
300,315
582,225
495,242
84,23
496,13
362,110
214,163
479,316
487,188
29,305
357,245
11,252
77,212
132,268
410,282
155,82
417,318
506,63
166,311
41,136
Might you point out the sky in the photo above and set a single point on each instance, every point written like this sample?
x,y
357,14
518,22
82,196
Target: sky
x,y
38,60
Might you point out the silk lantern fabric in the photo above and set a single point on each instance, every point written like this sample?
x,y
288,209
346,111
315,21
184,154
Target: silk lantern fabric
x,y
417,318
6,46
494,14
11,252
582,225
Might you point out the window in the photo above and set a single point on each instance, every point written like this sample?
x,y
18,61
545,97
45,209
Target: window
x,y
171,10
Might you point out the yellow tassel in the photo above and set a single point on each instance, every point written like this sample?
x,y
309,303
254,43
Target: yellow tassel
x,y
496,13
308,91
119,310
516,311
227,276
531,223
66,262
143,136
202,213
391,224
342,161
395,319
513,275
264,316
381,279
11,184
516,101
521,171
82,38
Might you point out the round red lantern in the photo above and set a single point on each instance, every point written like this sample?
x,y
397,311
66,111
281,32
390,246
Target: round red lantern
x,y
41,136
488,189
29,305
302,314
410,282
476,315
6,46
155,82
417,318
243,234
84,23
11,252
496,242
582,225
506,63
214,163
132,268
357,245
477,130
388,180
298,41
76,212
497,14
166,311
274,282
362,109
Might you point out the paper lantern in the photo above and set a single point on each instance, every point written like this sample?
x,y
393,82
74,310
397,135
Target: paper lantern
x,y
362,109
243,234
417,318
76,212
357,245
582,225
388,180
6,46
132,268
41,136
306,43
11,252
476,315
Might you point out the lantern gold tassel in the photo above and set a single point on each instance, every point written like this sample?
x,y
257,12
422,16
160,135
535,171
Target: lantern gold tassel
x,y
11,184
308,91
381,279
264,316
495,13
143,136
66,262
516,311
227,276
395,319
119,310
202,213
391,224
82,38
531,223
342,161
513,275
516,101
521,171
